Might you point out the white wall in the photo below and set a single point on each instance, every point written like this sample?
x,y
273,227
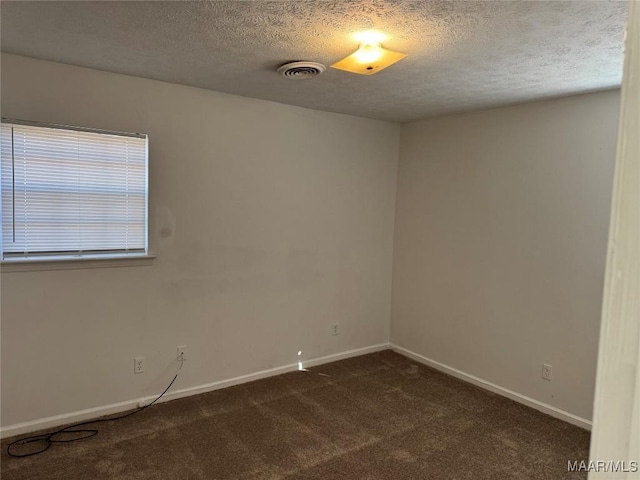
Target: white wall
x,y
500,243
270,222
273,222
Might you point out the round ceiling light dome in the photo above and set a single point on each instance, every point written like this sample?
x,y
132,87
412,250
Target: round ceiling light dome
x,y
301,70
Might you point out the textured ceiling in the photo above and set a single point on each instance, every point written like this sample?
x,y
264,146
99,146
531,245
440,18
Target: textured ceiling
x,y
462,54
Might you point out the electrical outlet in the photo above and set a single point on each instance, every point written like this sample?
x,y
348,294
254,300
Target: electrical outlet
x,y
182,353
336,329
546,371
138,365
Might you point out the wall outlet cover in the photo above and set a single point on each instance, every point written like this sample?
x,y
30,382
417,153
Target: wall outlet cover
x,y
138,365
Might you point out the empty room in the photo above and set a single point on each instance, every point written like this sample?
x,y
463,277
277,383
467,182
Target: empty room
x,y
320,239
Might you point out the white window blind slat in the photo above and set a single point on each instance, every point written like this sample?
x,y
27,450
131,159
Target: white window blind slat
x,y
72,192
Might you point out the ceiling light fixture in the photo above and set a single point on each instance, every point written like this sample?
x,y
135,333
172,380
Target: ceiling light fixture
x,y
370,58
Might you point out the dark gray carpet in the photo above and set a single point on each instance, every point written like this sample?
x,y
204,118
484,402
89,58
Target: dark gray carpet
x,y
379,416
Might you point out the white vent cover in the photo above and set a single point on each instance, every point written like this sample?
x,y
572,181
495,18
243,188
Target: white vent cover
x,y
301,70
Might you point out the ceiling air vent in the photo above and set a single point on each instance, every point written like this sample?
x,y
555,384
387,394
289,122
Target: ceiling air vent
x,y
301,70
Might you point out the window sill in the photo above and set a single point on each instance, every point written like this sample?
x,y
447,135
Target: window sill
x,y
38,264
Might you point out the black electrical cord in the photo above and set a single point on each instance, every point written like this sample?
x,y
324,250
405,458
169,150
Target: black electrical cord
x,y
49,439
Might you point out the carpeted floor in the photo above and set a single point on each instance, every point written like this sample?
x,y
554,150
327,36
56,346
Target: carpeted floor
x,y
374,417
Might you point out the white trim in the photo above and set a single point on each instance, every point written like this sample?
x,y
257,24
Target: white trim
x,y
73,263
616,412
32,123
492,387
72,417
78,416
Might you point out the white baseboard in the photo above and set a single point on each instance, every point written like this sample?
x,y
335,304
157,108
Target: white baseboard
x,y
492,387
81,415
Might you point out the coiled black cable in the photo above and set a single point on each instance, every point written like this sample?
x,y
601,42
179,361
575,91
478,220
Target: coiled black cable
x,y
49,439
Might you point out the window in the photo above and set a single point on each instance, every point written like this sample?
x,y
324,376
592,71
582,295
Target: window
x,y
72,192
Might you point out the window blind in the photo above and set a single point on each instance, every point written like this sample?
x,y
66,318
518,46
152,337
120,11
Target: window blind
x,y
68,192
